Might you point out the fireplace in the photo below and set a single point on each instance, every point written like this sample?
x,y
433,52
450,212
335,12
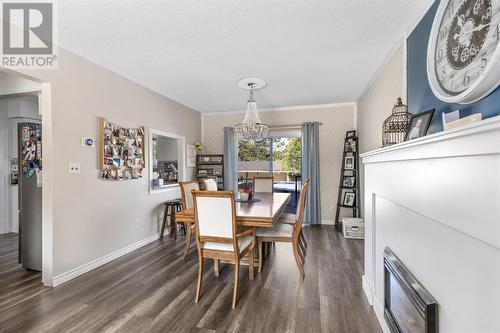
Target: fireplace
x,y
409,307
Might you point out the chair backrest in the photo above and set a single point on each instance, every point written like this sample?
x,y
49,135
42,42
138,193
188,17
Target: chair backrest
x,y
301,208
186,188
210,184
215,216
263,184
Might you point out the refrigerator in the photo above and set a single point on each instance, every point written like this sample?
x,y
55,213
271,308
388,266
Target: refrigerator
x,y
30,195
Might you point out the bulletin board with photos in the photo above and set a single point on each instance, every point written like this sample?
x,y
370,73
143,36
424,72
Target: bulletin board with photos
x,y
122,151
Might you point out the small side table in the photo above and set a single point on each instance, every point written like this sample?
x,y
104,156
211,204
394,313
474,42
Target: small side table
x,y
171,207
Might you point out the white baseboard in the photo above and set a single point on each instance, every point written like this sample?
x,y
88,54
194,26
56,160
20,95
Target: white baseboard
x,y
75,272
328,222
373,301
379,313
367,289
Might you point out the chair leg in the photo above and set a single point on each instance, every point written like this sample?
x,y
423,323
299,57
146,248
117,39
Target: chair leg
x,y
302,248
187,245
259,245
200,278
297,258
236,276
303,238
173,222
216,267
251,263
164,222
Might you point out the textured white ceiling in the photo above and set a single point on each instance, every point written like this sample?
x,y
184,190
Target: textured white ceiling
x,y
309,52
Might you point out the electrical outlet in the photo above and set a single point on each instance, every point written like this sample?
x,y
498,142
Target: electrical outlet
x,y
74,168
137,224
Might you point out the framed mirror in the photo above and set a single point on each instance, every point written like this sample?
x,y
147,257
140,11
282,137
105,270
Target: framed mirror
x,y
166,158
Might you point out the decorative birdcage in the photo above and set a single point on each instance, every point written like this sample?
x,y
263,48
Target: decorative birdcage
x,y
396,125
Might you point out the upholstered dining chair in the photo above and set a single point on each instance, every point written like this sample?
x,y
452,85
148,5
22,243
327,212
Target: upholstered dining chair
x,y
290,232
187,202
210,184
263,184
217,237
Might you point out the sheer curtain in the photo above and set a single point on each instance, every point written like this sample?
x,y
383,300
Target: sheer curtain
x,y
230,158
310,169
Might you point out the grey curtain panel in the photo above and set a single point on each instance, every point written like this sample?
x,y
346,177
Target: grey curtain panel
x,y
230,158
310,169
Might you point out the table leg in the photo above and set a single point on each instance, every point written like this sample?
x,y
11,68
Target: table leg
x,y
187,245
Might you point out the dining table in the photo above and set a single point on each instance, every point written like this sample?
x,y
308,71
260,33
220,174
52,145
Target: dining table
x,y
263,213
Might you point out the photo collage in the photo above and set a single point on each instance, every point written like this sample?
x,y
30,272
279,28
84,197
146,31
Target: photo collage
x,y
122,153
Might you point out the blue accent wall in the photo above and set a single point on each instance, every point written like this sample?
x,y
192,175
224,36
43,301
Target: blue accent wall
x,y
420,95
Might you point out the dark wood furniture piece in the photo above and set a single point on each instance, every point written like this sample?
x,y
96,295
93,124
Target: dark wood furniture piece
x,y
171,207
351,150
217,235
210,166
289,232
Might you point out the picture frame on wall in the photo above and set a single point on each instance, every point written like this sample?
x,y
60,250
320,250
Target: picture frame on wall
x,y
349,199
349,163
349,181
190,156
419,125
350,134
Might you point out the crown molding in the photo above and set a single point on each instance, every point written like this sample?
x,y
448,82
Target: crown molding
x,y
285,108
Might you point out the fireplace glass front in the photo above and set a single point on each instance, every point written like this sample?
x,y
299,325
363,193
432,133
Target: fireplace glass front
x,y
409,308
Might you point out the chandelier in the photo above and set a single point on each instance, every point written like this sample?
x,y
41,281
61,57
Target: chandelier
x,y
251,129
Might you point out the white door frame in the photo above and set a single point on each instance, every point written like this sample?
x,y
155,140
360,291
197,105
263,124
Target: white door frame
x,y
45,110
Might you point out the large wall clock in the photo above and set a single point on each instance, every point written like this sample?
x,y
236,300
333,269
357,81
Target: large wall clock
x,y
463,56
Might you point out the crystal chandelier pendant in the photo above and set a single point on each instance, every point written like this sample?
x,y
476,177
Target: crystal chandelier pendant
x,y
251,129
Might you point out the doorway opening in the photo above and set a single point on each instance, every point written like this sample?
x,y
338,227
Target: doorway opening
x,y
280,155
20,190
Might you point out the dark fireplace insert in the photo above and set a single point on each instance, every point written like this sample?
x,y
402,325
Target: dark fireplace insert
x,y
409,307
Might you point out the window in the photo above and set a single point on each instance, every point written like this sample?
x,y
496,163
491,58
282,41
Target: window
x,y
279,155
167,160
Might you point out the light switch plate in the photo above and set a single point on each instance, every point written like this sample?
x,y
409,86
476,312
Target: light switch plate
x,y
74,167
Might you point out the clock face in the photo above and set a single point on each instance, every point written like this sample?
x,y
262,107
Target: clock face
x,y
465,45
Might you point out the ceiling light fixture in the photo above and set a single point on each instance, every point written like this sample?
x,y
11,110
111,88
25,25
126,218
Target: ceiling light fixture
x,y
251,129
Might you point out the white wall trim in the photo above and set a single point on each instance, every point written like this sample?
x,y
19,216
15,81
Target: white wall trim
x,y
75,272
327,222
367,289
285,108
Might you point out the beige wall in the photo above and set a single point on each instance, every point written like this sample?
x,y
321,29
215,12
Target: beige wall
x,y
377,102
376,105
336,121
93,218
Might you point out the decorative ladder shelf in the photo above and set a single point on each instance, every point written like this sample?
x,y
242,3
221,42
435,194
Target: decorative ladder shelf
x,y
348,196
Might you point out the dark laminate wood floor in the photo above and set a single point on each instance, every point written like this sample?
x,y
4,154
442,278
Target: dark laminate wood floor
x,y
152,290
16,284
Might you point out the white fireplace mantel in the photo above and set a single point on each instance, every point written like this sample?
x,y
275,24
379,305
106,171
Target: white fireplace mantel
x,y
435,201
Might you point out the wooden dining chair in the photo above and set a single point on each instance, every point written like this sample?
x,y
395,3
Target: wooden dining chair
x,y
217,237
187,202
263,184
289,232
210,184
